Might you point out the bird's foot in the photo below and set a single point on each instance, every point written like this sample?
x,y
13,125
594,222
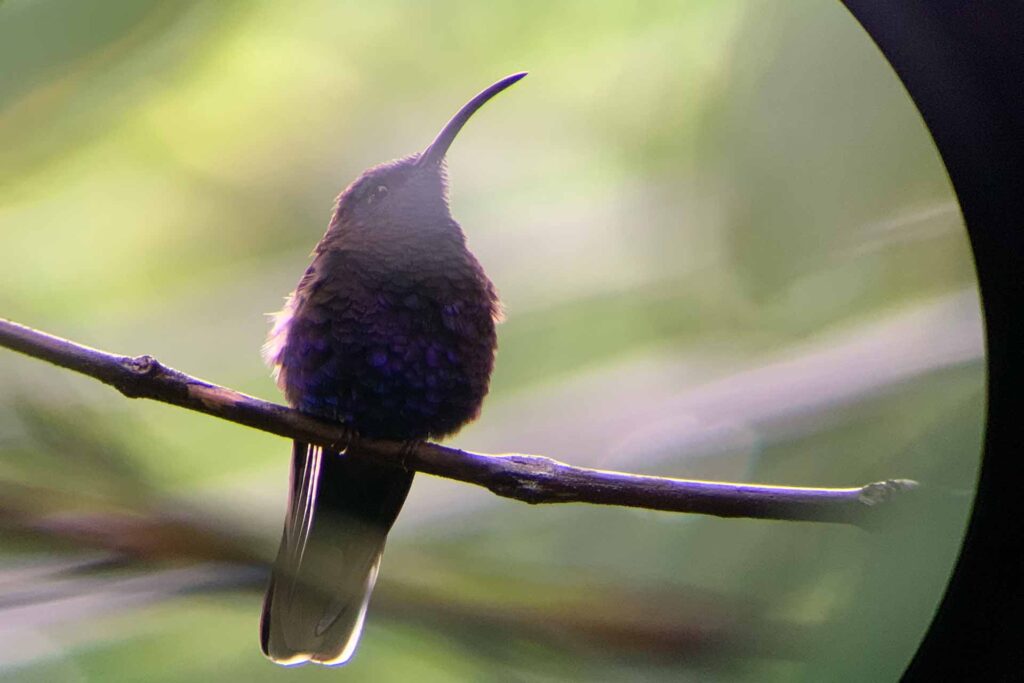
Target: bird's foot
x,y
407,452
346,440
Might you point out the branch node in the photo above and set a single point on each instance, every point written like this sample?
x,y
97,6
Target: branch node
x,y
143,365
139,369
883,491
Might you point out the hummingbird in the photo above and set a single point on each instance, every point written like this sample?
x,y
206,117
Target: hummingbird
x,y
391,332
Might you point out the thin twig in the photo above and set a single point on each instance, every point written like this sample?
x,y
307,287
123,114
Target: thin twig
x,y
528,478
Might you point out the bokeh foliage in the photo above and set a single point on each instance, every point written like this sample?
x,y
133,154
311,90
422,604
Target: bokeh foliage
x,y
727,248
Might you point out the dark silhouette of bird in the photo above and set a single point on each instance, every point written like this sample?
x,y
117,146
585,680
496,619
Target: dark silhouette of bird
x,y
391,331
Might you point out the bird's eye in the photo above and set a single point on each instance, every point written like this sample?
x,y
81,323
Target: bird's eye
x,y
377,193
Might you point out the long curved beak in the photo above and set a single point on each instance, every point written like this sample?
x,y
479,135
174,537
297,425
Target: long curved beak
x,y
434,154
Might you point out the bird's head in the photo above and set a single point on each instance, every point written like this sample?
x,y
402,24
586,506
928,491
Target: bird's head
x,y
411,192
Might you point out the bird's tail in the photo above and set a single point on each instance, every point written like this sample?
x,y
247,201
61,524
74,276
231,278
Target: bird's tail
x,y
339,513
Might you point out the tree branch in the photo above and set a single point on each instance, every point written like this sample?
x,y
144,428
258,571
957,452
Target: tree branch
x,y
528,478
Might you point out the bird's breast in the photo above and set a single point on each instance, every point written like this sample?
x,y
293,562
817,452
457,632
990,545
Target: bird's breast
x,y
396,353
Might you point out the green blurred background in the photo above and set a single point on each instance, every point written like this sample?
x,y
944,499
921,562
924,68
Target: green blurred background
x,y
727,248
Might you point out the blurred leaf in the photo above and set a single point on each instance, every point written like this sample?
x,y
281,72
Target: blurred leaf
x,y
727,247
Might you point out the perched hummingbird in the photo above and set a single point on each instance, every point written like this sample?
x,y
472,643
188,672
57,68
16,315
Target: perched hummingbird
x,y
390,332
